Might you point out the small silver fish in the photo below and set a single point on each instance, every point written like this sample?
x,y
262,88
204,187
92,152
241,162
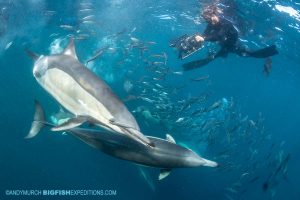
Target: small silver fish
x,y
88,17
179,120
134,40
178,73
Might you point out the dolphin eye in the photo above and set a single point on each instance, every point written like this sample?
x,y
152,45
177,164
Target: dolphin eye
x,y
37,74
40,67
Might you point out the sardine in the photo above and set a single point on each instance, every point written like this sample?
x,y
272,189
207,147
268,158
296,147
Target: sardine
x,y
98,54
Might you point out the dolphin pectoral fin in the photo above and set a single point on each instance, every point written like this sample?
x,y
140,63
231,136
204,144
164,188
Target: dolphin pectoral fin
x,y
70,49
112,121
39,118
139,137
71,123
146,175
164,173
169,138
133,133
209,163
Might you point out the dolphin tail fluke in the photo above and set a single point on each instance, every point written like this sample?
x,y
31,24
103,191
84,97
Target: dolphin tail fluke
x,y
38,120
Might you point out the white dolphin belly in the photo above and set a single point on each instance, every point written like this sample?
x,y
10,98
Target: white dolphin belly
x,y
73,97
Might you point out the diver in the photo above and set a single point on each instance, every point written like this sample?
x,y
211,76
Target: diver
x,y
222,31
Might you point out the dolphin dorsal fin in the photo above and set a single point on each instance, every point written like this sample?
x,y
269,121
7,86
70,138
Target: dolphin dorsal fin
x,y
70,49
32,55
164,173
169,138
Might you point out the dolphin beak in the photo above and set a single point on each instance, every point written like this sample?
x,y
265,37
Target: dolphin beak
x,y
32,55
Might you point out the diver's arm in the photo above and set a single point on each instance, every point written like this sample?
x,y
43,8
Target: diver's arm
x,y
196,64
210,34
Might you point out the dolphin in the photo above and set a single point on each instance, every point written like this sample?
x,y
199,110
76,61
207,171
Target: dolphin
x,y
83,94
165,154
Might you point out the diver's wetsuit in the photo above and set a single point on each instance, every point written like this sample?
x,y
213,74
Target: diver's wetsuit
x,y
227,36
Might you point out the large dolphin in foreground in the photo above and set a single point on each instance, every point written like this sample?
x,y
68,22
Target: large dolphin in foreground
x,y
165,154
83,94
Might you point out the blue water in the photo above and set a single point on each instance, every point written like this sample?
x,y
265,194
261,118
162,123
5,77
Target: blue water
x,y
255,127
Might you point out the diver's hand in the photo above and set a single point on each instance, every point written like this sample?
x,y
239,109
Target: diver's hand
x,y
199,38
